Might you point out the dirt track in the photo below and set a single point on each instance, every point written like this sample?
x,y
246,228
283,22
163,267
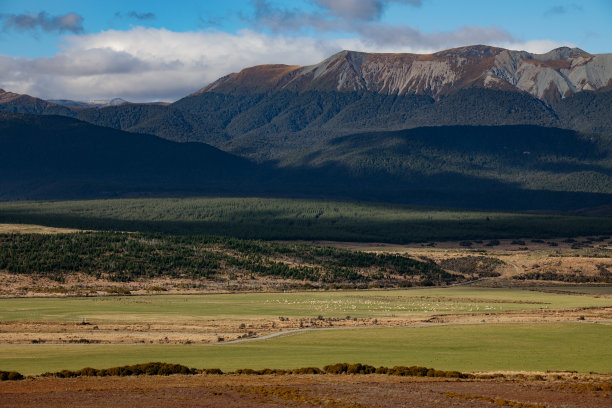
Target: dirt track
x,y
340,391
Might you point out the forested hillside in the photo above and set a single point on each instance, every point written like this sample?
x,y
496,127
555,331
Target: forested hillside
x,y
504,167
53,156
269,126
529,157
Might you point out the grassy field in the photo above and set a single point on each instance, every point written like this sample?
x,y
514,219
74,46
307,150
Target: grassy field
x,y
509,347
466,347
396,303
290,219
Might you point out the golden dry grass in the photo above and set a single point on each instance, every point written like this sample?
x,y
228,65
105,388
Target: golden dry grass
x,y
33,229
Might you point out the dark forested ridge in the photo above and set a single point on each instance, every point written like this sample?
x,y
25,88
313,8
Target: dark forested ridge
x,y
53,157
505,167
272,125
530,157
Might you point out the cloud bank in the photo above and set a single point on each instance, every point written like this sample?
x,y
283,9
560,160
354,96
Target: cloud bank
x,y
560,9
135,15
332,15
70,22
146,64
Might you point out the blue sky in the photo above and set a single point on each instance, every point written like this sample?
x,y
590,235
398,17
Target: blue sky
x,y
148,50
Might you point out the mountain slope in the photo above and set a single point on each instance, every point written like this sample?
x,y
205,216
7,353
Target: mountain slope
x,y
507,167
531,157
272,125
18,103
53,156
513,167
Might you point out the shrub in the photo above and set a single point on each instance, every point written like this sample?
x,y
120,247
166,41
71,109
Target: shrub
x,y
360,369
308,370
338,368
124,371
168,369
381,370
10,376
247,371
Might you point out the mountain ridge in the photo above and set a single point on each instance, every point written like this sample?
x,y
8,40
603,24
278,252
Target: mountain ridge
x,y
549,76
55,157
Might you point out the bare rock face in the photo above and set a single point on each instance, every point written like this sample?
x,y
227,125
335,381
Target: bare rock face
x,y
551,76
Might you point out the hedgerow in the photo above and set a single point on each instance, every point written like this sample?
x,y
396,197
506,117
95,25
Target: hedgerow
x,y
158,368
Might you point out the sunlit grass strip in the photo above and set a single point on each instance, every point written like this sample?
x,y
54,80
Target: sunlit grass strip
x,y
271,218
466,348
363,304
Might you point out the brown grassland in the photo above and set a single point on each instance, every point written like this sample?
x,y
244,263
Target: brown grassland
x,y
340,391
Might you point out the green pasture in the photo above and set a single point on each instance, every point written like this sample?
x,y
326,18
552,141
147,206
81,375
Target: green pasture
x,y
393,303
290,219
587,290
582,347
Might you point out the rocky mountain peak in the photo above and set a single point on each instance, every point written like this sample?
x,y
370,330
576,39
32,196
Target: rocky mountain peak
x,y
6,96
549,77
560,53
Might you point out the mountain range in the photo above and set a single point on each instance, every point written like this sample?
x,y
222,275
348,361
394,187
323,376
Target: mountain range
x,y
549,77
94,103
442,129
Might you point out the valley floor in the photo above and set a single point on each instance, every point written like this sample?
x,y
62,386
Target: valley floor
x,y
533,306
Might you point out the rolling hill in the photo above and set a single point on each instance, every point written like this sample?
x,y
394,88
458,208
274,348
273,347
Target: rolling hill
x,y
58,157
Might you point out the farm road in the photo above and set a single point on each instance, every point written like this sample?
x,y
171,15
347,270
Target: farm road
x,y
296,331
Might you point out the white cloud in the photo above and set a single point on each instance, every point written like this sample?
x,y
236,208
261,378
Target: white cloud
x,y
151,64
145,64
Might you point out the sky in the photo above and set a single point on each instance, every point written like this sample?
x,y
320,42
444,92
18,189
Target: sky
x,y
162,51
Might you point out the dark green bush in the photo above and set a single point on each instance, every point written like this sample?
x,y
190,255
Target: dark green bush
x,y
307,370
338,368
360,369
10,376
124,371
168,369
